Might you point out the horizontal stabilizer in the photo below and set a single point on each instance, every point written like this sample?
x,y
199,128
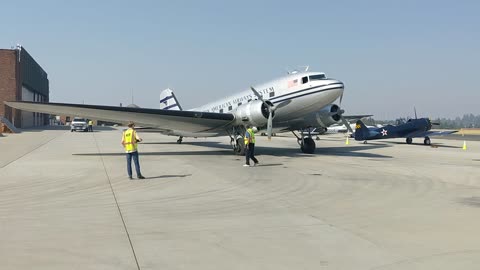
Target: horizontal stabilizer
x,y
356,117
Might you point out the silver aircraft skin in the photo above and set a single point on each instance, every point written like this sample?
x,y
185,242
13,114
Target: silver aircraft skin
x,y
293,102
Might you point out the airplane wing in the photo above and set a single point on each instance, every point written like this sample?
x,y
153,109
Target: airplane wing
x,y
165,120
419,134
356,117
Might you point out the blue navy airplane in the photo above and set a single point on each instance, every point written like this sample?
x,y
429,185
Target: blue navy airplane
x,y
413,128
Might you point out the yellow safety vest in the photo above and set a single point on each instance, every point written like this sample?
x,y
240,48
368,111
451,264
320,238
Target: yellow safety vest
x,y
252,137
130,140
90,123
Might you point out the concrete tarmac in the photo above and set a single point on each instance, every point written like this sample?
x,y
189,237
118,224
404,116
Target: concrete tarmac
x,y
66,203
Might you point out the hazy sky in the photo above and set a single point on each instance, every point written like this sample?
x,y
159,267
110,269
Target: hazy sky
x,y
391,55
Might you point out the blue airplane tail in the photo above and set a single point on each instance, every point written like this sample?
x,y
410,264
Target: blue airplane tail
x,y
361,131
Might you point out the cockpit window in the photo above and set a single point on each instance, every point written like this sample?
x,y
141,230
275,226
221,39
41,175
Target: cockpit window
x,y
304,80
318,77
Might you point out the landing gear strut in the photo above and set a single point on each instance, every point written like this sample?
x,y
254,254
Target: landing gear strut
x,y
307,144
236,140
179,141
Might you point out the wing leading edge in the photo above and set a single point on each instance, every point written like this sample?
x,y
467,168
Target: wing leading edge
x,y
187,121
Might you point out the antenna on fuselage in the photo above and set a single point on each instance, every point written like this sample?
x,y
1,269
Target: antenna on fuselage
x,y
305,68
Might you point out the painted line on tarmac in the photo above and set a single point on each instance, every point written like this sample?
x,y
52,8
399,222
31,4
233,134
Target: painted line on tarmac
x,y
116,202
10,162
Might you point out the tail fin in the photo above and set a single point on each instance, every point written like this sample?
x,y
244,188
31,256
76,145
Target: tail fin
x,y
361,131
168,101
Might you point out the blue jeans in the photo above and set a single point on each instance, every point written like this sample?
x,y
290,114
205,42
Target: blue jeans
x,y
250,153
133,155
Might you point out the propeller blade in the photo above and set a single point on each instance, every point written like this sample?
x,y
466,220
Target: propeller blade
x,y
415,110
347,125
257,94
341,98
269,125
281,104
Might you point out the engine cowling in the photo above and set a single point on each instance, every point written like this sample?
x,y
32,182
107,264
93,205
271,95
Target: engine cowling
x,y
254,113
328,115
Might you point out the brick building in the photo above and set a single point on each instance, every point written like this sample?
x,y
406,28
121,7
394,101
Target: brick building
x,y
22,79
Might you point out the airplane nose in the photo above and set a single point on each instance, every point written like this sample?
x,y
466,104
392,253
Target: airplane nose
x,y
340,87
340,84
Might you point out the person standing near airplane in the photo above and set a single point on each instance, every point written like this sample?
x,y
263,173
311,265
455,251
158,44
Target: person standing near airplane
x,y
130,141
90,125
250,146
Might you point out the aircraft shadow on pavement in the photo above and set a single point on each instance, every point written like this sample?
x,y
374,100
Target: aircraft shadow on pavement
x,y
168,176
269,165
290,152
195,143
352,151
470,201
349,151
166,153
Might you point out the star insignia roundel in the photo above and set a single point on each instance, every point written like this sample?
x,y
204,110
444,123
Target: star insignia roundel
x,y
384,132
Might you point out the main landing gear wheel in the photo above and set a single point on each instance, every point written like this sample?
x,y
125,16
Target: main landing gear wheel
x,y
427,141
239,147
180,139
409,140
308,146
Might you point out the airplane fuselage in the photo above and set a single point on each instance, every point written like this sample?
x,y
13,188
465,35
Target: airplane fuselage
x,y
405,130
306,92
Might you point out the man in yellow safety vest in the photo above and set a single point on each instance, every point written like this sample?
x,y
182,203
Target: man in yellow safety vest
x,y
250,146
130,141
90,126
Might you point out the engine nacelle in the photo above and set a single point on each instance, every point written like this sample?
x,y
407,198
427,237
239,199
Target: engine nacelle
x,y
254,113
328,115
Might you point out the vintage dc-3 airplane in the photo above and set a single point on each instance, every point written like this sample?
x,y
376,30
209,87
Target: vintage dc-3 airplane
x,y
294,102
413,128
